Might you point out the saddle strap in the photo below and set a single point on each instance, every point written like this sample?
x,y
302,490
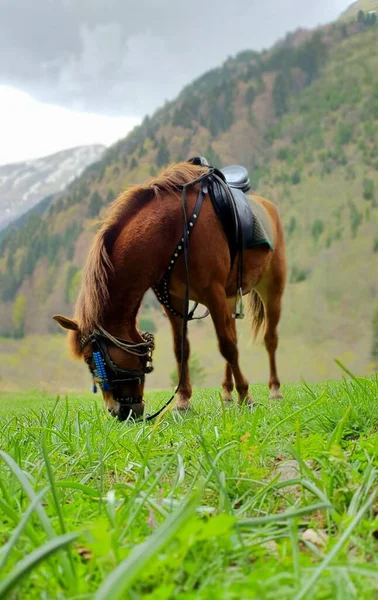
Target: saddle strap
x,y
161,289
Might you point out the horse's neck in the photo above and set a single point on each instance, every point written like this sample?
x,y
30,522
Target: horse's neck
x,y
140,256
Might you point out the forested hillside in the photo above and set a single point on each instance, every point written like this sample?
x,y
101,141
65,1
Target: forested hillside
x,y
303,118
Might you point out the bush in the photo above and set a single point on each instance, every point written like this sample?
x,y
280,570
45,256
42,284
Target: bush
x,y
368,185
18,316
317,229
296,177
146,324
355,218
298,274
375,245
196,370
283,154
344,134
291,227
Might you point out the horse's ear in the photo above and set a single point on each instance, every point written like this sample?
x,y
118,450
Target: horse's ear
x,y
66,323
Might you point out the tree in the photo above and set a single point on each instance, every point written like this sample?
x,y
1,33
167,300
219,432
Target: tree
x,y
72,283
163,156
374,345
18,316
212,157
281,93
361,16
368,189
134,164
110,197
95,204
250,95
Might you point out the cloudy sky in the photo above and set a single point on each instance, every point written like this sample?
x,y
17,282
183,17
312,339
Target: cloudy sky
x,y
86,71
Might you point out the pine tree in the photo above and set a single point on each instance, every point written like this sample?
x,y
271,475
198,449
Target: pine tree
x,y
163,156
95,204
374,345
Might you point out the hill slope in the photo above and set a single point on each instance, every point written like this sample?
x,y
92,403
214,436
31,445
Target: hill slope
x,y
303,118
24,184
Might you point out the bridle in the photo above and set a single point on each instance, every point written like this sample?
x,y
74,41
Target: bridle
x,y
110,376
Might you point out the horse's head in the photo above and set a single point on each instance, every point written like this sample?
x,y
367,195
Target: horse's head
x,y
117,366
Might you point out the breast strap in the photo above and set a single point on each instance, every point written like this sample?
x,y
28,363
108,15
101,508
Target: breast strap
x,y
161,289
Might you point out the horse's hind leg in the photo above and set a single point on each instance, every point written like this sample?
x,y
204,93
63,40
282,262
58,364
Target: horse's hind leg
x,y
273,312
185,389
226,332
227,384
272,298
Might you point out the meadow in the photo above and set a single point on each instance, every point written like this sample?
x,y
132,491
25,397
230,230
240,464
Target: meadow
x,y
220,502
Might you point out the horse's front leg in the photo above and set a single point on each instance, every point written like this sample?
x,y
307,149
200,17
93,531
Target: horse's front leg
x,y
185,390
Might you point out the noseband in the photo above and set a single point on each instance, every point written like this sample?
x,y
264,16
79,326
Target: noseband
x,y
106,373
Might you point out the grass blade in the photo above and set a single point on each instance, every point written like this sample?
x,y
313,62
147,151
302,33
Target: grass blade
x,y
31,561
312,580
45,521
291,416
127,571
86,489
7,548
305,510
18,472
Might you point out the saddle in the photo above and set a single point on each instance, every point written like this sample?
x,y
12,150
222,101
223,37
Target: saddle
x,y
227,192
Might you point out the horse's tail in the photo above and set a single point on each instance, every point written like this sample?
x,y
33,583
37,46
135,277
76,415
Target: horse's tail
x,y
256,312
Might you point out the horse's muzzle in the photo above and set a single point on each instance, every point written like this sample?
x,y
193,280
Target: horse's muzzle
x,y
131,411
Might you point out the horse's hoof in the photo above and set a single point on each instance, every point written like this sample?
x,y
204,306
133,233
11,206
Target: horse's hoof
x,y
246,402
227,398
275,395
182,406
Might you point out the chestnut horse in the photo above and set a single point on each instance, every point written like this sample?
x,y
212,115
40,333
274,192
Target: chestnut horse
x,y
130,254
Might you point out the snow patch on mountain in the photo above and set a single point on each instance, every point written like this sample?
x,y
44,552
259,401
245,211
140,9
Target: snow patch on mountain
x,y
23,185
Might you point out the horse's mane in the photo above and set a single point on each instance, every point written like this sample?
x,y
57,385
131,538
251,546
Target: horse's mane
x,y
94,294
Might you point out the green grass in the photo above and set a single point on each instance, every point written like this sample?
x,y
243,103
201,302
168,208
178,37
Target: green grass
x,y
191,506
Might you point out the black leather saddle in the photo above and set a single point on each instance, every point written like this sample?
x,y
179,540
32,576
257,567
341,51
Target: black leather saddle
x,y
237,177
227,187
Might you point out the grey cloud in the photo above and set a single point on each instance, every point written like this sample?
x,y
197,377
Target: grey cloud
x,y
128,57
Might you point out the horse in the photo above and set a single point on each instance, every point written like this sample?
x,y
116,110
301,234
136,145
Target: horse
x,y
129,255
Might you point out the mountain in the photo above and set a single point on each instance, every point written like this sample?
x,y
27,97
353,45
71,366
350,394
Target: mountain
x,y
303,118
364,5
24,184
